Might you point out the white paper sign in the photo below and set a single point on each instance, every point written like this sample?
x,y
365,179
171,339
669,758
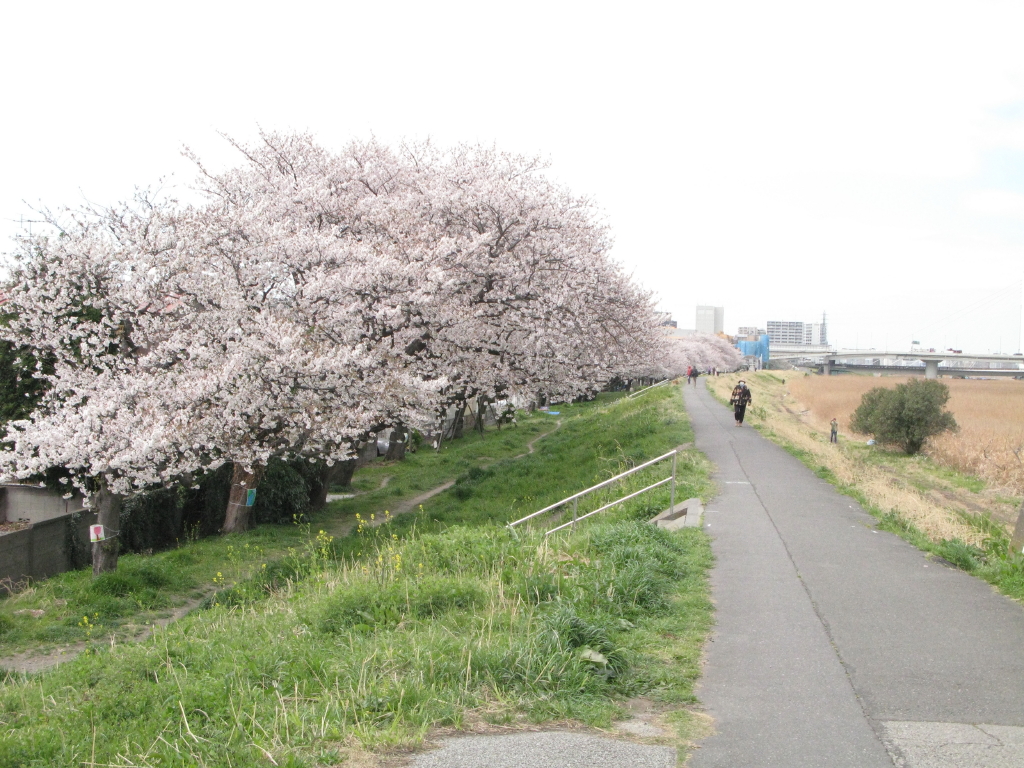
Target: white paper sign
x,y
96,533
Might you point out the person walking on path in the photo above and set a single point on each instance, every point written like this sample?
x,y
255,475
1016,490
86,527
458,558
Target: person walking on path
x,y
696,373
834,436
689,374
740,400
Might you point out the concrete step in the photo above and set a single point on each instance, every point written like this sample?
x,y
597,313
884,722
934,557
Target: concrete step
x,y
685,514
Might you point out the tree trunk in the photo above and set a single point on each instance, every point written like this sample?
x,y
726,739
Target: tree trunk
x,y
343,473
460,419
481,408
108,514
396,448
1017,542
339,474
236,517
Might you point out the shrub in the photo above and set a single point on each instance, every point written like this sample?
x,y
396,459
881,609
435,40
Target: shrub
x,y
150,520
6,624
283,495
905,416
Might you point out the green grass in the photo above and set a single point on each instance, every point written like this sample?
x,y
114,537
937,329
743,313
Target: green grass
x,y
77,608
439,618
597,440
148,587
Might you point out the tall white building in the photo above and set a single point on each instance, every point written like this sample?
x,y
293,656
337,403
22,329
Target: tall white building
x,y
710,320
814,333
787,332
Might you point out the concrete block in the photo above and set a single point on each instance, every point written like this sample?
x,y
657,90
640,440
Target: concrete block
x,y
685,514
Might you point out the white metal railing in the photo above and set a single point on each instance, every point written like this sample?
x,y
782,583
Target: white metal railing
x,y
648,389
575,498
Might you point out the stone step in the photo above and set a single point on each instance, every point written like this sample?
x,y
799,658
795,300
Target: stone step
x,y
685,514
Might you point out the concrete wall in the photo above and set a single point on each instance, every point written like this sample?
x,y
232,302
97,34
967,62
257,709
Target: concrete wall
x,y
35,504
40,550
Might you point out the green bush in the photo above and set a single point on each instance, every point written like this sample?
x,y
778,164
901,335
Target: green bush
x,y
283,495
151,520
203,506
6,624
905,416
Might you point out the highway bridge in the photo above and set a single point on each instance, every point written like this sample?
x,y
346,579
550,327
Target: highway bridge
x,y
956,363
914,361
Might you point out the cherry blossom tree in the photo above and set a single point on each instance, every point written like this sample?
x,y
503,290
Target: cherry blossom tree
x,y
701,351
313,298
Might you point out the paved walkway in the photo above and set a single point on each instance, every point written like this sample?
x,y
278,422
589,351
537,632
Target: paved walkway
x,y
837,644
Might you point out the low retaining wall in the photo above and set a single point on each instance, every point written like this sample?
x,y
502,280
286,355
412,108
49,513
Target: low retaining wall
x,y
42,548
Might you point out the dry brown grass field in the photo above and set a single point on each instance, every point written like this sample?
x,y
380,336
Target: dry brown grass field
x,y
794,410
990,412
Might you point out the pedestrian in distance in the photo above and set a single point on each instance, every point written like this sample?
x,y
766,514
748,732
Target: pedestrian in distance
x,y
834,436
696,373
689,374
740,399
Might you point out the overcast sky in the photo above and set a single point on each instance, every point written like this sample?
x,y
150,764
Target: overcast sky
x,y
778,159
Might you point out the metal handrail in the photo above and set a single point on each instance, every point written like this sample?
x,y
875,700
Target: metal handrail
x,y
645,389
577,496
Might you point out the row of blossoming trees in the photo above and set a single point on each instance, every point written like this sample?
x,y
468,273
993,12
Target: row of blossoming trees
x,y
312,298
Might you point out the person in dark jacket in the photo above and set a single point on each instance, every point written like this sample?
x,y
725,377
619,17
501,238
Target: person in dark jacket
x,y
740,400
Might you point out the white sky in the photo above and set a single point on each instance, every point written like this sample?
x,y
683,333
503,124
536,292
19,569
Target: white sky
x,y
780,159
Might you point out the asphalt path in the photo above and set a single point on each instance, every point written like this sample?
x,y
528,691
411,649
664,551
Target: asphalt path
x,y
837,644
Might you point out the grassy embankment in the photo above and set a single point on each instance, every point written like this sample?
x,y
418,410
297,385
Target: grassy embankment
x,y
957,516
439,618
72,608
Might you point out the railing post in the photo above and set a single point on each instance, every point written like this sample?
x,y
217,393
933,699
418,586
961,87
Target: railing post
x,y
575,510
672,506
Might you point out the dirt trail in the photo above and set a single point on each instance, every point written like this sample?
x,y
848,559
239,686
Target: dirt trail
x,y
344,526
33,661
529,445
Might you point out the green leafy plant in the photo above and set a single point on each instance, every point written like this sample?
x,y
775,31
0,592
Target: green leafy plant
x,y
905,416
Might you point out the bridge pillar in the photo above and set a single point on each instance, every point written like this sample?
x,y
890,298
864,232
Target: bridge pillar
x,y
931,369
826,369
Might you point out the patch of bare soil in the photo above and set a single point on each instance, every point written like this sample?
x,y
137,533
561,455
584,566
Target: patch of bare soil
x,y
32,661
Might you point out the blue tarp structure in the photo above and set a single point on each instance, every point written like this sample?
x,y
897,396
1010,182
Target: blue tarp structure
x,y
757,348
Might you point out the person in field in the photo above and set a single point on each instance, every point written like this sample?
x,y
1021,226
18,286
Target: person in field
x,y
740,399
834,436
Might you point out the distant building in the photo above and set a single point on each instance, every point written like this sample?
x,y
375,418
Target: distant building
x,y
677,333
665,319
750,330
787,332
710,320
814,333
758,348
